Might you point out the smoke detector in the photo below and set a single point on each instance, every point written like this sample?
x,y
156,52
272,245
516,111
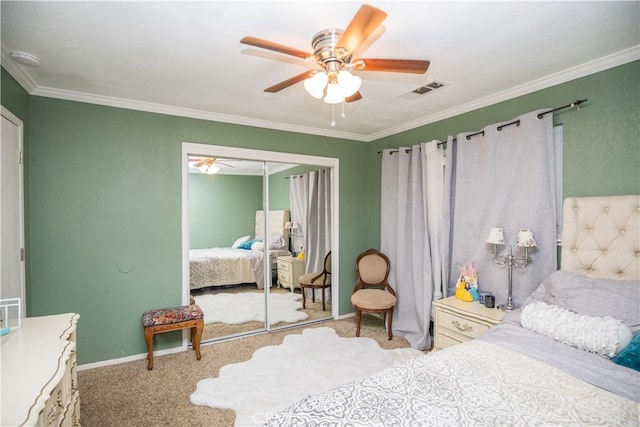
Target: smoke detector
x,y
25,59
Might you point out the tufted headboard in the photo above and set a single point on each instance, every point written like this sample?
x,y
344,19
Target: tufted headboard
x,y
276,222
601,236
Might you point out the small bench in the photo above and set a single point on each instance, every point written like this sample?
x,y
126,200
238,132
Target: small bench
x,y
173,319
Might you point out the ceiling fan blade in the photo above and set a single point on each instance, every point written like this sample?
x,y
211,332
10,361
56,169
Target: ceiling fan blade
x,y
366,20
392,65
265,44
289,82
356,96
198,164
225,164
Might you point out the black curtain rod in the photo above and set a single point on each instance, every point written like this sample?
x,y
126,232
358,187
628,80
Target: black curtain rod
x,y
574,104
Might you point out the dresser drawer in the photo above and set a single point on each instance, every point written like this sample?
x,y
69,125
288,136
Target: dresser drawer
x,y
284,276
461,325
284,266
445,341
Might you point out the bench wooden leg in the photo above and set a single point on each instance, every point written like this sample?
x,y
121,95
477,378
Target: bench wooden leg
x,y
148,337
196,336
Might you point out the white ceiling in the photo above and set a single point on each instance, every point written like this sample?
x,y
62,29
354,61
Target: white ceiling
x,y
185,58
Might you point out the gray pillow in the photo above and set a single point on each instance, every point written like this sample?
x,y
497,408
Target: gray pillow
x,y
619,299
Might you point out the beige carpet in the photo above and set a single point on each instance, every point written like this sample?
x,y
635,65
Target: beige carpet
x,y
129,395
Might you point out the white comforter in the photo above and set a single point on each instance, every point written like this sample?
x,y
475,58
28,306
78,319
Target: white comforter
x,y
477,383
224,266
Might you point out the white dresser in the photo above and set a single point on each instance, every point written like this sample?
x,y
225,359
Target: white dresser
x,y
39,373
289,271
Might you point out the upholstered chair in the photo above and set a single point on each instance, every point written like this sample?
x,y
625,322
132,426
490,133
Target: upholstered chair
x,y
316,280
372,292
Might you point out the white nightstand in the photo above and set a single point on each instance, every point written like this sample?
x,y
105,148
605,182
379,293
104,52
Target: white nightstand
x,y
289,271
456,321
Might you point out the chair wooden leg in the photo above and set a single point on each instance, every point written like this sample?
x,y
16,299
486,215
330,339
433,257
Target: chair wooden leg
x,y
358,318
313,294
323,303
148,337
389,325
304,297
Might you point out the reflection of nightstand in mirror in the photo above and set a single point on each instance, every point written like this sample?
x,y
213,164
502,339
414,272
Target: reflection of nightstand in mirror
x,y
456,321
289,271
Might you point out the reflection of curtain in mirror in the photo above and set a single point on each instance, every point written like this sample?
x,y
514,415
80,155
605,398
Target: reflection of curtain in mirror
x,y
298,196
411,195
311,208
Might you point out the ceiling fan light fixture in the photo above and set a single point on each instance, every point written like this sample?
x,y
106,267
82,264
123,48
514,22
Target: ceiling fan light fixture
x,y
349,84
315,84
209,169
334,94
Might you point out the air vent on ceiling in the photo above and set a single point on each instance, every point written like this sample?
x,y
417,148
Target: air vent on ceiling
x,y
429,87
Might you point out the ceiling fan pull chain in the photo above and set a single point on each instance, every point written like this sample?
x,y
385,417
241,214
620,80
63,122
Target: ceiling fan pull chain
x,y
343,115
333,115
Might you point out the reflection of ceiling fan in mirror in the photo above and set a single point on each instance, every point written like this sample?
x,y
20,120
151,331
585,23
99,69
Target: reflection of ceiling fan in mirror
x,y
208,165
333,52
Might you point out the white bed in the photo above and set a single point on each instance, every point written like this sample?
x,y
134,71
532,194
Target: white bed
x,y
512,375
232,265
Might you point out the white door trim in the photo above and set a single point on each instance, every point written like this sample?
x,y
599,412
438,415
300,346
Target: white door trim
x,y
18,123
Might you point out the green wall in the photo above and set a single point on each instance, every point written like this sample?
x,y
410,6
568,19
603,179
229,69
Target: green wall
x,y
105,213
222,208
103,193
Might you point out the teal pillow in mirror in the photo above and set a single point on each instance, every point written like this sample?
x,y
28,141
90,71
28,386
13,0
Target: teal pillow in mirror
x,y
630,355
247,244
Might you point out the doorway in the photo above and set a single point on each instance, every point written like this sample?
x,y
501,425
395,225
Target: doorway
x,y
270,162
12,270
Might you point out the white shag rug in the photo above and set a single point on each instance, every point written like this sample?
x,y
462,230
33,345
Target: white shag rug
x,y
234,309
304,364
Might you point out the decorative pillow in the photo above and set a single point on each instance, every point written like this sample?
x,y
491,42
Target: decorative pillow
x,y
247,245
630,355
276,241
604,336
240,241
619,299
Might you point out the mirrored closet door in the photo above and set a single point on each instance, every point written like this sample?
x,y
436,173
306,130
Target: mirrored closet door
x,y
240,255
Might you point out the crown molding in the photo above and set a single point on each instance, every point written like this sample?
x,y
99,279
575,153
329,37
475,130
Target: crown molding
x,y
185,112
601,64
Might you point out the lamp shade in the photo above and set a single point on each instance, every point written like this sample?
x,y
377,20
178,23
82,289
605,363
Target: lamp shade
x,y
525,239
348,83
496,236
315,84
334,94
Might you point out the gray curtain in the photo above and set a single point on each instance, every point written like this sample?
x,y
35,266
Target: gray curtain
x,y
298,197
411,197
501,178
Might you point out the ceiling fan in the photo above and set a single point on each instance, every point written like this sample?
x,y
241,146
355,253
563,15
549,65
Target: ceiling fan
x,y
333,51
208,165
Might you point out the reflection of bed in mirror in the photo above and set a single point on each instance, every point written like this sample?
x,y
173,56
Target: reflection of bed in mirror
x,y
244,261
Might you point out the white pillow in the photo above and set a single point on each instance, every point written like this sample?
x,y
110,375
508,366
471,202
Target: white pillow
x,y
258,246
240,241
604,336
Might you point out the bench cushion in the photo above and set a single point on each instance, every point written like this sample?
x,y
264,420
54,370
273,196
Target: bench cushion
x,y
164,316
